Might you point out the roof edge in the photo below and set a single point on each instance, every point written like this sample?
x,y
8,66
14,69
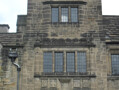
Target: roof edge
x,y
5,25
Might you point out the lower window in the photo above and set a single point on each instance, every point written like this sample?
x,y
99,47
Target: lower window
x,y
44,88
76,88
84,88
70,61
115,64
52,88
59,62
81,62
75,62
47,62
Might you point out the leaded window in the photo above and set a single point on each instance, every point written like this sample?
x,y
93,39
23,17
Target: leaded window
x,y
81,62
59,61
64,15
56,60
115,64
44,88
74,14
55,16
70,56
84,88
76,88
47,62
52,88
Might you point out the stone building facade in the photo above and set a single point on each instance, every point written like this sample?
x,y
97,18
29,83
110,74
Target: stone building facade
x,y
63,45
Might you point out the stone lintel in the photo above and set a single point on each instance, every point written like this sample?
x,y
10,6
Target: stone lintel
x,y
13,46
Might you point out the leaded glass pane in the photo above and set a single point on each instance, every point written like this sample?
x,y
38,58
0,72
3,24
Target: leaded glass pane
x,y
64,15
70,62
86,88
44,88
53,88
58,62
55,14
76,88
74,15
47,63
81,62
115,64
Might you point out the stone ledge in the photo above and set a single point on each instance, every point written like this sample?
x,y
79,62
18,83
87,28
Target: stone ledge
x,y
5,25
113,77
64,75
112,42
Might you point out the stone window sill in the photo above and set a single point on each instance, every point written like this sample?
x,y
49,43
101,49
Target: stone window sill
x,y
65,75
113,77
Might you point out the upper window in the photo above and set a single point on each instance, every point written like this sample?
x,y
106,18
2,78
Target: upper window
x,y
64,15
115,64
55,14
74,15
61,14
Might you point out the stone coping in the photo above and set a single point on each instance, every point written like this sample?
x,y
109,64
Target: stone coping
x,y
4,25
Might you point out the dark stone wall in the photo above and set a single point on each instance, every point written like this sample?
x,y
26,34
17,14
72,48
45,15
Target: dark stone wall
x,y
111,27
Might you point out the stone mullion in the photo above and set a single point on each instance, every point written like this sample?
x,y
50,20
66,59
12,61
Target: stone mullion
x,y
59,14
88,67
64,61
69,14
53,58
109,64
75,61
78,13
